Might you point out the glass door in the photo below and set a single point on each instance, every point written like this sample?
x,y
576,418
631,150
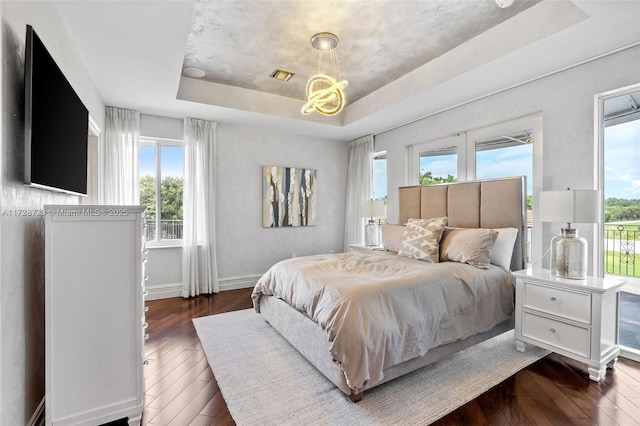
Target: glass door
x,y
621,192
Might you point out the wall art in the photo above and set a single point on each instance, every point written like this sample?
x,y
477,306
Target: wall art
x,y
289,196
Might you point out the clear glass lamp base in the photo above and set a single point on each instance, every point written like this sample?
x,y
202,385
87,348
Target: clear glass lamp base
x,y
372,234
569,255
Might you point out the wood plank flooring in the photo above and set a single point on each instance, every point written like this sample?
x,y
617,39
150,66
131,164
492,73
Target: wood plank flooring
x,y
181,389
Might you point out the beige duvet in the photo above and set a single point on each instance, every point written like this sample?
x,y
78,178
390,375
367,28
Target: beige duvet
x,y
380,309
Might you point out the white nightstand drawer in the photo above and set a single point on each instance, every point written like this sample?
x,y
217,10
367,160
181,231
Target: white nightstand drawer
x,y
558,334
563,303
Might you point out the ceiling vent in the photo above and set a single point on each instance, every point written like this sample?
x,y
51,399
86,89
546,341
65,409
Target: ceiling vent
x,y
282,75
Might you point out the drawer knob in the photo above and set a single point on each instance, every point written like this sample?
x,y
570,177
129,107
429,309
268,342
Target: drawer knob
x,y
553,330
146,336
553,299
145,362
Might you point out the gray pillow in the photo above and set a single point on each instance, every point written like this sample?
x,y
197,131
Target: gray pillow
x,y
472,246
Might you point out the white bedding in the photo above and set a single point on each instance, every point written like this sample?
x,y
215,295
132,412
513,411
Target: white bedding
x,y
380,309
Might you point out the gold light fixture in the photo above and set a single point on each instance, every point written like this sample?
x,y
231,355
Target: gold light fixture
x,y
324,93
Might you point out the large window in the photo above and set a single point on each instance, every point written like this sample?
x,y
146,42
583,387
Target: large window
x,y
161,179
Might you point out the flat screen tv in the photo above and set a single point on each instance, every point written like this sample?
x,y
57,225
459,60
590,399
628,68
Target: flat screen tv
x,y
56,124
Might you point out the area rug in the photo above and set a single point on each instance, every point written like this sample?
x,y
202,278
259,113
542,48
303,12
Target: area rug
x,y
265,381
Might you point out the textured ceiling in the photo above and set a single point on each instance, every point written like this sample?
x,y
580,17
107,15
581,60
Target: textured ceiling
x,y
240,43
135,51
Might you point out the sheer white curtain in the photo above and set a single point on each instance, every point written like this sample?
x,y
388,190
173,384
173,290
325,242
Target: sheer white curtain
x,y
358,188
121,156
199,264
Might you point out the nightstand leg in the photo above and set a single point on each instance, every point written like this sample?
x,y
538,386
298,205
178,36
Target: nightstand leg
x,y
521,346
596,374
612,364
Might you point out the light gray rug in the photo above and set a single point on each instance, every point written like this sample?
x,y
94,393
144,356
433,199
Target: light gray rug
x,y
265,381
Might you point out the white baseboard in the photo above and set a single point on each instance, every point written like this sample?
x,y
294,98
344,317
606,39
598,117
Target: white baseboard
x,y
166,291
234,283
38,416
631,353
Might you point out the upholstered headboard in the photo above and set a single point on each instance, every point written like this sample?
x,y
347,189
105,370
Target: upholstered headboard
x,y
494,203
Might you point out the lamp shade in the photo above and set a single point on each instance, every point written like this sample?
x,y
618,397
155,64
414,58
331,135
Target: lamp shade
x,y
372,208
570,206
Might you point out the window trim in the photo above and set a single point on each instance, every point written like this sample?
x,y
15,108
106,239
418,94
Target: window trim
x,y
599,100
158,143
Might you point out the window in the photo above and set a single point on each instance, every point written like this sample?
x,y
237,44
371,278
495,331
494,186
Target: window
x,y
379,181
504,156
439,166
161,179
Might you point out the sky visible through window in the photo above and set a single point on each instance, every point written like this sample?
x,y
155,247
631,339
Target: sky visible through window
x,y
172,161
622,160
494,163
505,162
379,178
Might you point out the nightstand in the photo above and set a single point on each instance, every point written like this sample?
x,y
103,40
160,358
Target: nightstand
x,y
574,318
364,248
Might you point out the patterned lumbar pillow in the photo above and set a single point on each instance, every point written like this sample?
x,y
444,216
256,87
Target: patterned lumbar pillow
x,y
421,239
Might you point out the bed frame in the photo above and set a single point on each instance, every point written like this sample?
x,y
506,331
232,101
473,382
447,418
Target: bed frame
x,y
496,203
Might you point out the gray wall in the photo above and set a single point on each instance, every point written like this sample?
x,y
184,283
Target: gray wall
x,y
22,243
566,102
243,245
244,248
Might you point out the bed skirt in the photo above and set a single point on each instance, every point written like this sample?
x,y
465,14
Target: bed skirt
x,y
311,341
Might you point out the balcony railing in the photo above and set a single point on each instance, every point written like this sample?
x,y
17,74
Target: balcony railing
x,y
621,251
169,229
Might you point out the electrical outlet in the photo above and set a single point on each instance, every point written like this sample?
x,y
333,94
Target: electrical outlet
x,y
293,254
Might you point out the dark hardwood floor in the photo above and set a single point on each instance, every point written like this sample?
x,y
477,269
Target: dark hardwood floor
x,y
181,389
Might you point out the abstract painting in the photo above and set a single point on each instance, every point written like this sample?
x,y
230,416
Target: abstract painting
x,y
289,196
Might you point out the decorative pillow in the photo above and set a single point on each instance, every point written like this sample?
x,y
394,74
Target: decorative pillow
x,y
421,238
468,245
392,236
503,247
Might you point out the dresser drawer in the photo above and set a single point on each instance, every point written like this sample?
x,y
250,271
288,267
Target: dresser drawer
x,y
557,334
566,304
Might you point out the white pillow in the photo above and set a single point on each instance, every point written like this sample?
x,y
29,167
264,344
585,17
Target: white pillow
x,y
392,236
503,247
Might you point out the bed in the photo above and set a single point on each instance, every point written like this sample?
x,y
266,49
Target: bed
x,y
363,319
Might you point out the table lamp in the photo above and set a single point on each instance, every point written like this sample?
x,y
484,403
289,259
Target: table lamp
x,y
568,250
373,209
